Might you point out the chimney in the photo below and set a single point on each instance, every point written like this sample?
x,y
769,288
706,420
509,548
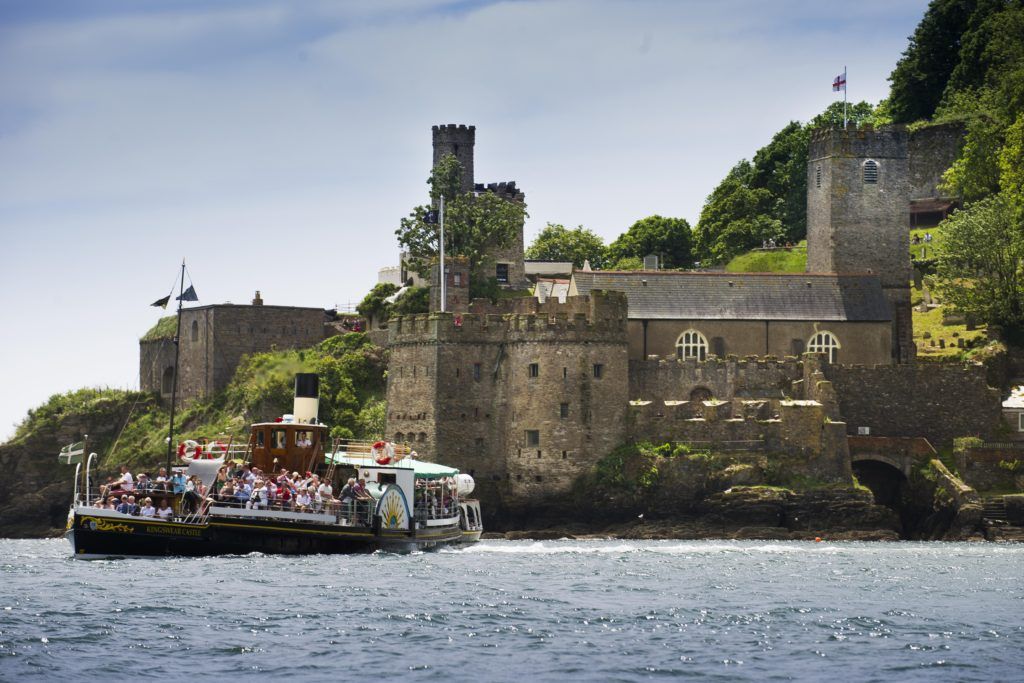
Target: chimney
x,y
257,300
307,397
651,262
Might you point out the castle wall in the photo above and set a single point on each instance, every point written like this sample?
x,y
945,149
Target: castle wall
x,y
936,401
861,342
672,380
932,150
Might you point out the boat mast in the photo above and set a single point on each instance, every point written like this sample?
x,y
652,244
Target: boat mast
x,y
174,380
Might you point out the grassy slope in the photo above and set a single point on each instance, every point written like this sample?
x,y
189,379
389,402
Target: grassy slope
x,y
778,261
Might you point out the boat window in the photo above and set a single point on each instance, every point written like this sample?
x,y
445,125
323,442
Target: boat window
x,y
280,439
260,439
385,478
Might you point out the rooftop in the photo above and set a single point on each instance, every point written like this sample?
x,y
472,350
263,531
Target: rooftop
x,y
673,295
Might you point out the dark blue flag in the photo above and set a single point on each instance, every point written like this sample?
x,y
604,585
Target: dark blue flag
x,y
430,217
189,295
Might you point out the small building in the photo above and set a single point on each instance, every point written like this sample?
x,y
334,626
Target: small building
x,y
1013,413
215,338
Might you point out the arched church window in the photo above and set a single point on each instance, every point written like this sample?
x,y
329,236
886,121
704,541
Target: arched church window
x,y
870,172
817,176
824,342
167,381
691,344
195,330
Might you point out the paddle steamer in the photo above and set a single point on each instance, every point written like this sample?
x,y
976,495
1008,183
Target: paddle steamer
x,y
411,504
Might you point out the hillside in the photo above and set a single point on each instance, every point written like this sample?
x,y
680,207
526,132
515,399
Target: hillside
x,y
127,427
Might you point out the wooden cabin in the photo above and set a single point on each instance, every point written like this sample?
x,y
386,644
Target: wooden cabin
x,y
283,444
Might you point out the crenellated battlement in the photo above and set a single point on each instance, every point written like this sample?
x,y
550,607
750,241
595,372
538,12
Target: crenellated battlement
x,y
453,128
598,317
885,142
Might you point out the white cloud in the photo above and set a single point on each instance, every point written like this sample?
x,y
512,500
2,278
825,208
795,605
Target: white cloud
x,y
276,145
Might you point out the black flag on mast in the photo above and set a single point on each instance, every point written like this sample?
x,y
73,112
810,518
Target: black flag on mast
x,y
189,295
161,303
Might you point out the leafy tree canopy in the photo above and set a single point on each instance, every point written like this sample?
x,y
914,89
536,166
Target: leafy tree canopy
x,y
474,224
981,262
669,238
558,243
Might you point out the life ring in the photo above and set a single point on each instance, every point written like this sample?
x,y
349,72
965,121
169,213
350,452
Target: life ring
x,y
185,446
382,452
217,447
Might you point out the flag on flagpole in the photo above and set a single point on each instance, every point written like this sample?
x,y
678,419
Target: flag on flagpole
x,y
189,295
839,83
72,453
161,303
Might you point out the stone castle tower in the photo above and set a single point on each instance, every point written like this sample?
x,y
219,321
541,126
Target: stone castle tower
x,y
460,141
858,207
523,395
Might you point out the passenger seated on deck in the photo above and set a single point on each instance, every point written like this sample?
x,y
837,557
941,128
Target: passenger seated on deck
x,y
126,482
147,508
242,492
227,492
258,500
143,483
284,497
303,501
165,512
122,505
133,508
161,482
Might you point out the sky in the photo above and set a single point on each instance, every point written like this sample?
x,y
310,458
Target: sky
x,y
275,145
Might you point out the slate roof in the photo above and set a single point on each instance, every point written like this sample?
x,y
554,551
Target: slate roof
x,y
669,295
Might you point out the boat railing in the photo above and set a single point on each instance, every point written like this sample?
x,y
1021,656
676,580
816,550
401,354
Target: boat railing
x,y
360,447
356,513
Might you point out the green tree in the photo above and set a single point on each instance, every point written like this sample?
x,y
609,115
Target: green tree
x,y
374,304
736,217
669,238
413,300
475,224
920,77
981,260
558,243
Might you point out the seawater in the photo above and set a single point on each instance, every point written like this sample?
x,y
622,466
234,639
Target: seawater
x,y
522,611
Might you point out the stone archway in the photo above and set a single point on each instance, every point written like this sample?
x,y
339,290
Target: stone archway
x,y
700,394
885,476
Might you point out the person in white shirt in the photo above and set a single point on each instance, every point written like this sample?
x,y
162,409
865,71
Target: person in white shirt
x,y
303,501
258,499
126,482
147,508
165,512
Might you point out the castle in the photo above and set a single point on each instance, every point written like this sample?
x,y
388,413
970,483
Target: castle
x,y
528,394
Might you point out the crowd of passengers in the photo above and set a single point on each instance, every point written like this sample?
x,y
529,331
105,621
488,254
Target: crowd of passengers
x,y
251,488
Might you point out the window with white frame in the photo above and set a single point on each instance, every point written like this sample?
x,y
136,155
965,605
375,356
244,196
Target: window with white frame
x,y
691,344
824,342
1020,422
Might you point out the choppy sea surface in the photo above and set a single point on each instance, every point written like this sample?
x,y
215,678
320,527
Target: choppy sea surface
x,y
516,611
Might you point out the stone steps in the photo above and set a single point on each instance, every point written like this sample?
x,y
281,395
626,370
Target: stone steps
x,y
994,509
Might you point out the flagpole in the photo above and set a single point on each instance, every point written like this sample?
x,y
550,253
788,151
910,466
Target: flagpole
x,y
174,380
444,278
844,97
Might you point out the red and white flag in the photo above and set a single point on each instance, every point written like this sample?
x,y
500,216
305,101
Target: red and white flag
x,y
839,83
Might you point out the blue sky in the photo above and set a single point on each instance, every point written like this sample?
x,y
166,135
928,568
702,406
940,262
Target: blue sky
x,y
276,145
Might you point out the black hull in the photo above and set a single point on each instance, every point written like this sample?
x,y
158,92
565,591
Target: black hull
x,y
133,537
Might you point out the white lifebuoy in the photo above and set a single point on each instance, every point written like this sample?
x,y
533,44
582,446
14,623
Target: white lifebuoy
x,y
382,452
185,447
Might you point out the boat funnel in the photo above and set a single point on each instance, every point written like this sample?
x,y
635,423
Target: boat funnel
x,y
307,397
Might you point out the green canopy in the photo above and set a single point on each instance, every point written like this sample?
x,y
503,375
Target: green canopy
x,y
421,469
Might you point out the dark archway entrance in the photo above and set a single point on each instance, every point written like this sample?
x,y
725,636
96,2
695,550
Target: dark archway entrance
x,y
887,483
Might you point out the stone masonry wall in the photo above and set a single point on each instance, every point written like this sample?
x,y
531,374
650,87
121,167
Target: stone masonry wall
x,y
675,380
525,402
932,151
936,401
214,339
